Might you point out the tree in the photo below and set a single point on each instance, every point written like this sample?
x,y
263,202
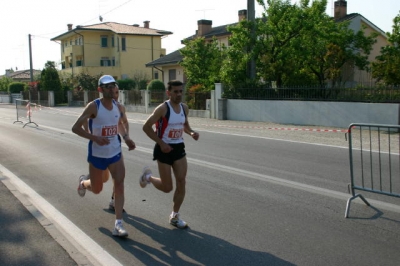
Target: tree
x,y
278,35
386,68
233,71
140,79
4,83
294,44
126,84
87,81
202,62
329,47
49,79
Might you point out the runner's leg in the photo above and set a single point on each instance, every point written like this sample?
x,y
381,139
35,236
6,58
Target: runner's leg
x,y
180,170
117,171
164,182
95,183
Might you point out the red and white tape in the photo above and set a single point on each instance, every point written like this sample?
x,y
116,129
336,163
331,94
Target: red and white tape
x,y
284,128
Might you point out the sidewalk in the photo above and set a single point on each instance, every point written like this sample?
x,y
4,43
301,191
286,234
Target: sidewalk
x,y
23,237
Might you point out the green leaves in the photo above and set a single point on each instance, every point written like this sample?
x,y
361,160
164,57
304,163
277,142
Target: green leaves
x,y
202,61
386,68
292,45
49,79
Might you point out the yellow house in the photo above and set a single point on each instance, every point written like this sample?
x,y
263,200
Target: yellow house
x,y
112,48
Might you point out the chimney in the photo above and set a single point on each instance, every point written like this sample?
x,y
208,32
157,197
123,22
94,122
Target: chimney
x,y
242,14
69,27
146,24
204,27
340,9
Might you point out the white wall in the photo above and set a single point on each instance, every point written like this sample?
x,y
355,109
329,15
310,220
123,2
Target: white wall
x,y
334,114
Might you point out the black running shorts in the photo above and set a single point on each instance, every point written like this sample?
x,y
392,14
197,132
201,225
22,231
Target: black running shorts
x,y
178,152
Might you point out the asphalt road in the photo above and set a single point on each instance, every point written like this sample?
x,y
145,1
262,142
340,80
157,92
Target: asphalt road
x,y
257,194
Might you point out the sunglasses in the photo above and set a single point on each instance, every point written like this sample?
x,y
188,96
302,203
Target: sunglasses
x,y
108,86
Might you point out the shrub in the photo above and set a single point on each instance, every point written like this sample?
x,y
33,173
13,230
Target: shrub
x,y
16,87
156,85
126,84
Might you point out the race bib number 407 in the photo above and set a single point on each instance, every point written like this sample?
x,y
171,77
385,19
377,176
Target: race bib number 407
x,y
108,131
175,133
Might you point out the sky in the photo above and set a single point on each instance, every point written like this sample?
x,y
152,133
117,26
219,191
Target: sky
x,y
45,19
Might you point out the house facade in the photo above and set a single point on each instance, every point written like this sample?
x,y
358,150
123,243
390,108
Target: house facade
x,y
112,48
351,77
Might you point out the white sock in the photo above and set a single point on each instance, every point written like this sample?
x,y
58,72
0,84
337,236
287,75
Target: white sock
x,y
118,222
148,177
174,213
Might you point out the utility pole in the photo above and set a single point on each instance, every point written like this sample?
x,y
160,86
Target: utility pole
x,y
251,16
30,58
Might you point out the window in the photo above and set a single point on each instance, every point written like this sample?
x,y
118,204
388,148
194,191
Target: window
x,y
172,74
78,62
105,61
112,41
156,75
104,40
123,44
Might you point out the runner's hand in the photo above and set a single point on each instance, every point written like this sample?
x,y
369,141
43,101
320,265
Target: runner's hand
x,y
101,140
195,135
131,145
166,148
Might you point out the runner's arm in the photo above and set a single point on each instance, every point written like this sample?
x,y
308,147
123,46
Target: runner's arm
x,y
188,130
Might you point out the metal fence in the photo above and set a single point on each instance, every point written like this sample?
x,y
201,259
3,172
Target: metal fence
x,y
374,154
24,111
157,97
133,97
376,95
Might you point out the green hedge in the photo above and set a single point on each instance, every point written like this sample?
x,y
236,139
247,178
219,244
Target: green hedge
x,y
16,87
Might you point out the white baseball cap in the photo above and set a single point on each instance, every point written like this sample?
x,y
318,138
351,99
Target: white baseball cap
x,y
106,79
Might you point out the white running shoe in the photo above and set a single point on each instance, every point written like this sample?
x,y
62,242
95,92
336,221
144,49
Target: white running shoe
x,y
119,230
176,221
143,180
81,189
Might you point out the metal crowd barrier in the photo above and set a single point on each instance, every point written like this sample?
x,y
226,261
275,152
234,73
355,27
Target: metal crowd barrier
x,y
24,110
374,160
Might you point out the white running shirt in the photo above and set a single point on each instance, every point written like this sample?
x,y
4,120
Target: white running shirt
x,y
173,132
105,124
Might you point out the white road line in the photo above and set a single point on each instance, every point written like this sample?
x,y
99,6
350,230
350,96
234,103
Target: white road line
x,y
286,183
98,256
94,248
